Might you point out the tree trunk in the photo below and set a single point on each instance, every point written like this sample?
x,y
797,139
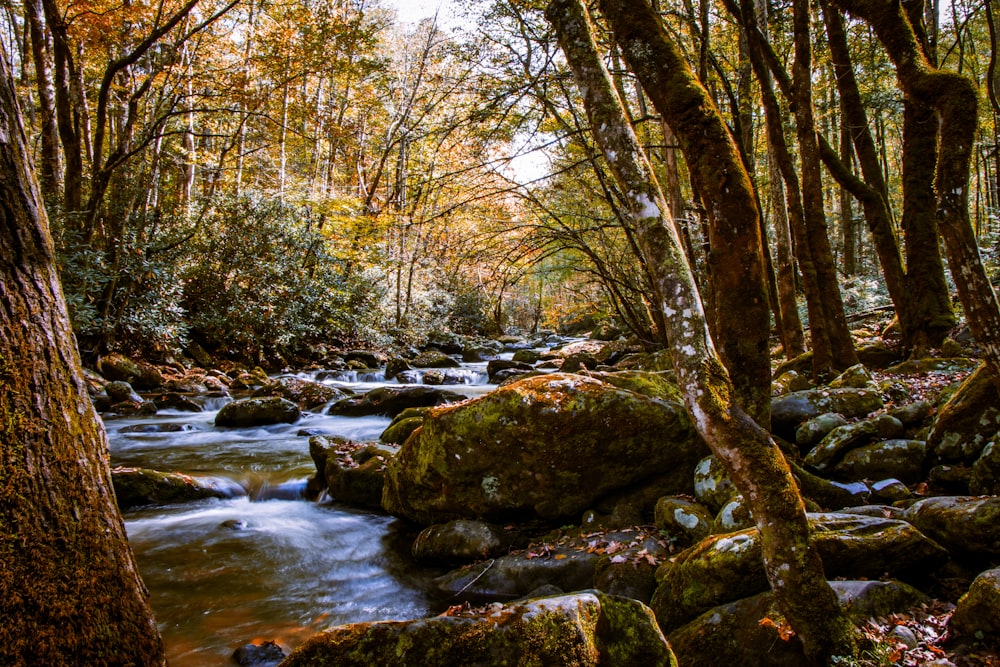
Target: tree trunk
x,y
841,344
69,589
956,100
742,309
751,456
51,165
67,116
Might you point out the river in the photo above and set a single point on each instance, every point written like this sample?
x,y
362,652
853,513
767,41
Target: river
x,y
264,564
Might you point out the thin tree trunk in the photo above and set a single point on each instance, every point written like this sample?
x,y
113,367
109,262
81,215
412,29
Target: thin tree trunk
x,y
51,165
742,309
751,456
70,593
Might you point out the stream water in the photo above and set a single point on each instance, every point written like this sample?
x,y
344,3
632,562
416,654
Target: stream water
x,y
264,564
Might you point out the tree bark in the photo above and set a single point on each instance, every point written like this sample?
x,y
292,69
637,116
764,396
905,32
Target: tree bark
x,y
742,309
751,456
69,589
51,167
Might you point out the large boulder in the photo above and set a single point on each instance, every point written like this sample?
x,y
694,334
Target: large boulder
x,y
138,487
545,447
352,472
433,359
462,540
583,629
964,526
790,410
752,631
304,393
390,401
258,412
969,419
985,480
977,614
724,568
843,439
898,459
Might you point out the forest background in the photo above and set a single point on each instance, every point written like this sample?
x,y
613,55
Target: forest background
x,y
271,177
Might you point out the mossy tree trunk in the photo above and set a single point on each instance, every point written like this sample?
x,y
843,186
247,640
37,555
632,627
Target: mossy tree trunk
x,y
751,456
70,593
955,100
737,270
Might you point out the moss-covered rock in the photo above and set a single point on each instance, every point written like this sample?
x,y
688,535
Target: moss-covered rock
x,y
401,428
119,391
969,419
857,376
494,367
545,447
304,393
810,433
355,474
258,412
985,480
733,517
434,359
583,629
723,568
661,385
462,540
390,401
138,487
712,486
899,459
964,526
686,521
789,411
752,631
977,614
843,439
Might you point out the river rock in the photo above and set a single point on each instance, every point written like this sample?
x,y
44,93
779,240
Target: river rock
x,y
403,425
138,487
462,540
789,411
857,376
583,629
964,526
395,366
568,562
304,393
878,355
434,359
734,634
579,361
724,568
174,401
497,365
661,385
912,415
445,341
843,439
527,356
545,447
977,614
264,654
118,368
686,521
511,375
969,419
355,475
362,358
390,401
899,459
258,412
119,391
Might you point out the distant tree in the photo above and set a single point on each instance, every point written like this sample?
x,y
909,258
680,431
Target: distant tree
x,y
70,593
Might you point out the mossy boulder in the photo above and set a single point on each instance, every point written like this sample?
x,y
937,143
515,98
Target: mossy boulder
x,y
712,486
434,359
362,359
734,634
119,391
661,385
897,458
728,567
969,419
403,425
790,410
856,376
493,368
977,614
258,412
810,433
686,521
355,474
138,487
304,393
733,517
390,401
985,480
843,439
462,540
584,629
567,561
964,526
545,447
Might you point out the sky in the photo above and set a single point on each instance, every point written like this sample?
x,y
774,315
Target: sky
x,y
412,11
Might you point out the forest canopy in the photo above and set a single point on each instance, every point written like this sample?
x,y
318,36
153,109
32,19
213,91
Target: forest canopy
x,y
266,176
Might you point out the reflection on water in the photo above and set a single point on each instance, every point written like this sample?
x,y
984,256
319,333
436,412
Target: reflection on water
x,y
224,572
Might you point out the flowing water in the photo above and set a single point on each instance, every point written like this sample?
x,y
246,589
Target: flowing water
x,y
263,563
